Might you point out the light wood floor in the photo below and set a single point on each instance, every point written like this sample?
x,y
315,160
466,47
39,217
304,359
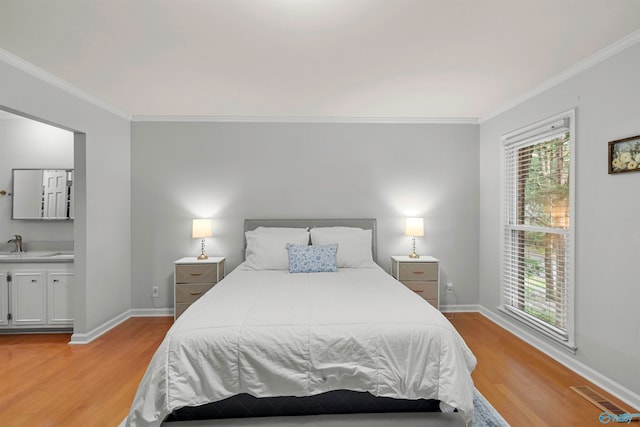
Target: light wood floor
x,y
527,387
46,382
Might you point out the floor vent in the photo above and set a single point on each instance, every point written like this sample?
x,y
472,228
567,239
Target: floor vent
x,y
599,400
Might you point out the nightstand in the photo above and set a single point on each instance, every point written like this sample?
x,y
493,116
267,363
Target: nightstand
x,y
421,275
192,278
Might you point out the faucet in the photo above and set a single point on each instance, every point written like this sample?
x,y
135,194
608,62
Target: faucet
x,y
17,241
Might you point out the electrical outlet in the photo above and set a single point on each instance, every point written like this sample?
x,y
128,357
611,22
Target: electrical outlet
x,y
449,287
155,292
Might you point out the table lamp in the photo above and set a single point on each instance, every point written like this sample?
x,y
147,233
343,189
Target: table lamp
x,y
414,228
201,230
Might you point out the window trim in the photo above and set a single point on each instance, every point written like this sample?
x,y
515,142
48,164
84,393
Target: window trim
x,y
528,135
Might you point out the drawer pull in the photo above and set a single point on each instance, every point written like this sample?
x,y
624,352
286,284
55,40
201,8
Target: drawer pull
x,y
196,274
418,272
195,293
417,291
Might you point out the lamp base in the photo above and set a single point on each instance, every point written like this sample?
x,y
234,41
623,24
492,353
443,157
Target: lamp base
x,y
202,255
413,253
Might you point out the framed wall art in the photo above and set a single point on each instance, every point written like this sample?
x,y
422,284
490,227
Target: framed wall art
x,y
624,155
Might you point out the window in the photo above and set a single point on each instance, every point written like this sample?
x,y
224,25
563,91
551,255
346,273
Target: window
x,y
537,276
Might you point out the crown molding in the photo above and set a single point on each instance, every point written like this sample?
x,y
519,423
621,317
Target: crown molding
x,y
296,119
39,73
581,66
6,115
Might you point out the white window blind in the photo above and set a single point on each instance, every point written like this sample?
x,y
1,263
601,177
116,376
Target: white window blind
x,y
537,276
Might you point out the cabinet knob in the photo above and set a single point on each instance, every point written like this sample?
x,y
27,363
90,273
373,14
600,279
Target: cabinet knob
x,y
55,280
34,281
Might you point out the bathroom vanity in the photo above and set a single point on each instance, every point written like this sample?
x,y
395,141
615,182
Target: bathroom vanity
x,y
35,291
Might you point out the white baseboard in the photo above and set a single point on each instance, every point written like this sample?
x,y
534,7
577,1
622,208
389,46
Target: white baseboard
x,y
110,324
561,356
460,308
100,330
151,312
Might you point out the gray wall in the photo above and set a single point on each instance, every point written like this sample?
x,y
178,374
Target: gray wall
x,y
28,144
607,212
103,203
233,171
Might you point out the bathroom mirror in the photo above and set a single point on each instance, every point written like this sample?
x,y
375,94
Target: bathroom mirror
x,y
44,194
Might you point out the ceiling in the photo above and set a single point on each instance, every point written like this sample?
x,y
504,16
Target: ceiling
x,y
311,58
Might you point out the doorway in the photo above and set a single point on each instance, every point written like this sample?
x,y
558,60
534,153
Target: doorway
x,y
31,143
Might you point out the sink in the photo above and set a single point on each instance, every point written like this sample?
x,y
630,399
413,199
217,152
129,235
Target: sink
x,y
35,254
38,254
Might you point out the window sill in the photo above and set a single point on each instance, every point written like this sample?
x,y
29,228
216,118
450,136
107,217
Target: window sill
x,y
563,343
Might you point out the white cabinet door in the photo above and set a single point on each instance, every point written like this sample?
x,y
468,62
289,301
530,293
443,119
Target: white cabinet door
x,y
4,299
60,309
28,298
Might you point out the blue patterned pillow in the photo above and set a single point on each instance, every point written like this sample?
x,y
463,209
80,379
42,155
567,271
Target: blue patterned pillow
x,y
312,258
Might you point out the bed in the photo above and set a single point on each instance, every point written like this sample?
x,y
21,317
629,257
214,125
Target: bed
x,y
278,334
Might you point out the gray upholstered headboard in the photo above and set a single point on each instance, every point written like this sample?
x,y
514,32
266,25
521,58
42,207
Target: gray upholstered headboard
x,y
364,223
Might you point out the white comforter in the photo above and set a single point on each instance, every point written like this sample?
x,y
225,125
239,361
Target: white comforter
x,y
272,333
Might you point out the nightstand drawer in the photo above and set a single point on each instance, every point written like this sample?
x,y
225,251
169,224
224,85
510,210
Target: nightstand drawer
x,y
189,293
421,275
192,278
180,308
193,273
427,290
421,271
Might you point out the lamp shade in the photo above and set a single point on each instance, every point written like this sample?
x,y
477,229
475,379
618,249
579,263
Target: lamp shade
x,y
201,228
414,227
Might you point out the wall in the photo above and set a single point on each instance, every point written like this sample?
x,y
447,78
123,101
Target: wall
x,y
233,171
607,212
102,191
28,144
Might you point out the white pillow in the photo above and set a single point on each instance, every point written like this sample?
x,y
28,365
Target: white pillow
x,y
280,229
354,245
268,250
339,229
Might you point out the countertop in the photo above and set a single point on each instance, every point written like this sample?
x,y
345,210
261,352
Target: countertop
x,y
33,257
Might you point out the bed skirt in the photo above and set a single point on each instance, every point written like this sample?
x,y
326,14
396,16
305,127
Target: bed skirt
x,y
332,402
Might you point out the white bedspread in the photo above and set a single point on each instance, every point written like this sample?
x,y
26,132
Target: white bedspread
x,y
272,333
